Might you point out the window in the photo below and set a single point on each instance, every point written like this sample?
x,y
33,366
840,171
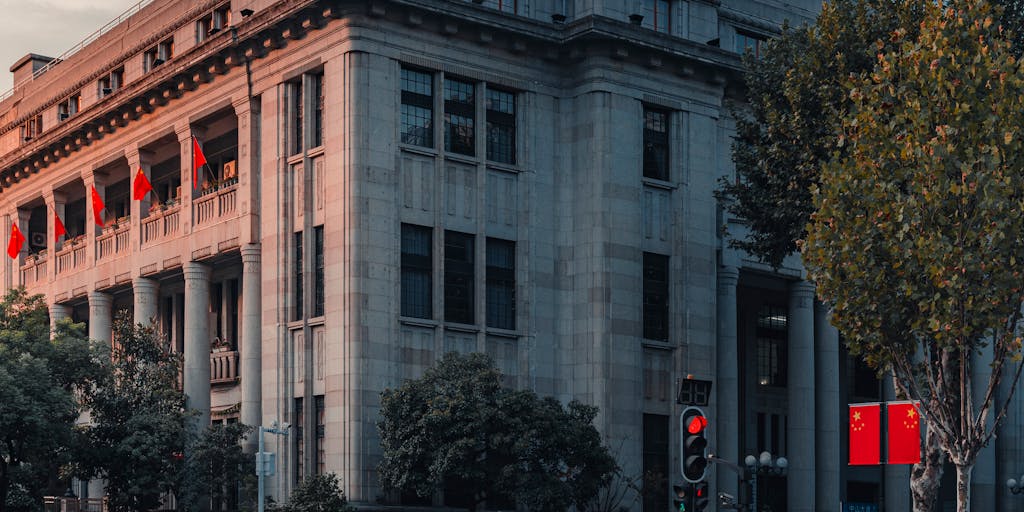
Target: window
x,y
655,144
501,126
298,277
69,106
655,297
222,162
747,41
656,15
321,417
32,128
655,462
501,284
300,448
417,266
771,345
318,276
459,107
213,22
509,6
296,108
317,83
157,55
417,108
458,277
110,82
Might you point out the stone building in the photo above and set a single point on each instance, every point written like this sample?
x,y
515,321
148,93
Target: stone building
x,y
389,180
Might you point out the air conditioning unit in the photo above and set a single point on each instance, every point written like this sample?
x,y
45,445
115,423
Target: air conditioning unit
x,y
63,116
105,91
37,239
230,170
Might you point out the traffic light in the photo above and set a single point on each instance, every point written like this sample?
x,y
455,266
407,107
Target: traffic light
x,y
700,497
693,424
680,498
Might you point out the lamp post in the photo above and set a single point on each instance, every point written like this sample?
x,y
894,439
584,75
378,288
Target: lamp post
x,y
264,459
1016,486
765,464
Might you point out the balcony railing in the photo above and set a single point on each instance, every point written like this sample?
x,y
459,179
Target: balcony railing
x,y
113,240
62,504
71,256
223,367
161,223
217,203
34,269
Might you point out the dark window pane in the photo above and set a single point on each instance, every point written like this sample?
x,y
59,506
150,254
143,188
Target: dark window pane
x,y
656,15
318,281
772,321
417,265
655,462
417,108
298,276
458,277
321,417
459,110
655,290
300,448
655,144
458,134
296,117
318,113
501,284
501,126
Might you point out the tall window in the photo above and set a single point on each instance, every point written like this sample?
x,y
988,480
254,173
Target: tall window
x,y
509,6
501,283
321,417
458,277
32,128
772,323
298,276
69,106
417,266
747,41
459,108
655,461
501,126
655,144
297,116
655,297
656,15
110,82
317,83
157,55
300,442
213,22
417,108
318,276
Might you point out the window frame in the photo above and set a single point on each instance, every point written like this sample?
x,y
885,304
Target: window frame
x,y
464,109
495,118
459,277
656,140
656,314
501,279
652,11
414,99
416,264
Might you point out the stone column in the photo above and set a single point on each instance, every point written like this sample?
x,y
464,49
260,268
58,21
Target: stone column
x,y
802,435
91,229
728,416
197,340
139,159
827,410
983,479
251,346
58,312
188,188
146,307
21,217
100,317
896,476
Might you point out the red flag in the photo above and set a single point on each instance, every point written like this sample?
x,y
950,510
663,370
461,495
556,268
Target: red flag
x,y
58,227
141,186
97,207
904,433
198,160
865,438
17,240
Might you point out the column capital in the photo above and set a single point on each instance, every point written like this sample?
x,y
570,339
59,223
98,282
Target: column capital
x,y
145,284
802,289
100,299
195,271
59,311
251,255
137,156
728,275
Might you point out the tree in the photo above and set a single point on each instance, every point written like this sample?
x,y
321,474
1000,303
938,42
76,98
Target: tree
x,y
318,493
457,427
916,240
39,380
217,469
138,434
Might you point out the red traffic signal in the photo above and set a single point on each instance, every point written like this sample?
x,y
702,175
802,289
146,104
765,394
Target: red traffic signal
x,y
693,445
696,424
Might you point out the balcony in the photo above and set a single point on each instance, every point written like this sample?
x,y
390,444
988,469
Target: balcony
x,y
34,269
114,240
65,504
72,255
224,367
162,222
216,202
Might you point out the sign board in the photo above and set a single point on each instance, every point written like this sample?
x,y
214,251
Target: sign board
x,y
266,463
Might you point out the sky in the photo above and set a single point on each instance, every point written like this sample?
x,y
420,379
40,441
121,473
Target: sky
x,y
49,27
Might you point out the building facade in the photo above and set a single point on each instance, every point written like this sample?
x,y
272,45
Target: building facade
x,y
390,180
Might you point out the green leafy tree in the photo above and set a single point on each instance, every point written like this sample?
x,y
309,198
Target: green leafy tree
x,y
39,380
916,240
139,418
318,493
458,427
217,469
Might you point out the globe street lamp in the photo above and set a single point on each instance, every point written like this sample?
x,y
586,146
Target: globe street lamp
x,y
766,465
1016,486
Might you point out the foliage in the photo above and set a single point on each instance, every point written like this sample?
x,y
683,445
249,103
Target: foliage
x,y
457,426
39,380
216,468
916,240
139,431
318,493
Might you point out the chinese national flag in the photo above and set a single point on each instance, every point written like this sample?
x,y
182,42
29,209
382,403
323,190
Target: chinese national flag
x,y
58,227
97,207
17,240
904,433
198,161
141,186
865,436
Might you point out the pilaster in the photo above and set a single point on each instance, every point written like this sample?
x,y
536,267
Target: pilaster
x,y
728,436
251,346
197,340
100,316
802,483
145,293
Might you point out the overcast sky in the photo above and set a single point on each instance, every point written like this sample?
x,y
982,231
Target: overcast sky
x,y
49,27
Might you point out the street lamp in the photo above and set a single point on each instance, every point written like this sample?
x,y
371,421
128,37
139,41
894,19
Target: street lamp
x,y
764,464
1015,486
265,460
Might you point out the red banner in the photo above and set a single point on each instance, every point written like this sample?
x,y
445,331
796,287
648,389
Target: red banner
x,y
865,436
14,244
904,433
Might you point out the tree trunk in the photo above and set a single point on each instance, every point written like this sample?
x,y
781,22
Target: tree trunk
x,y
926,476
963,487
